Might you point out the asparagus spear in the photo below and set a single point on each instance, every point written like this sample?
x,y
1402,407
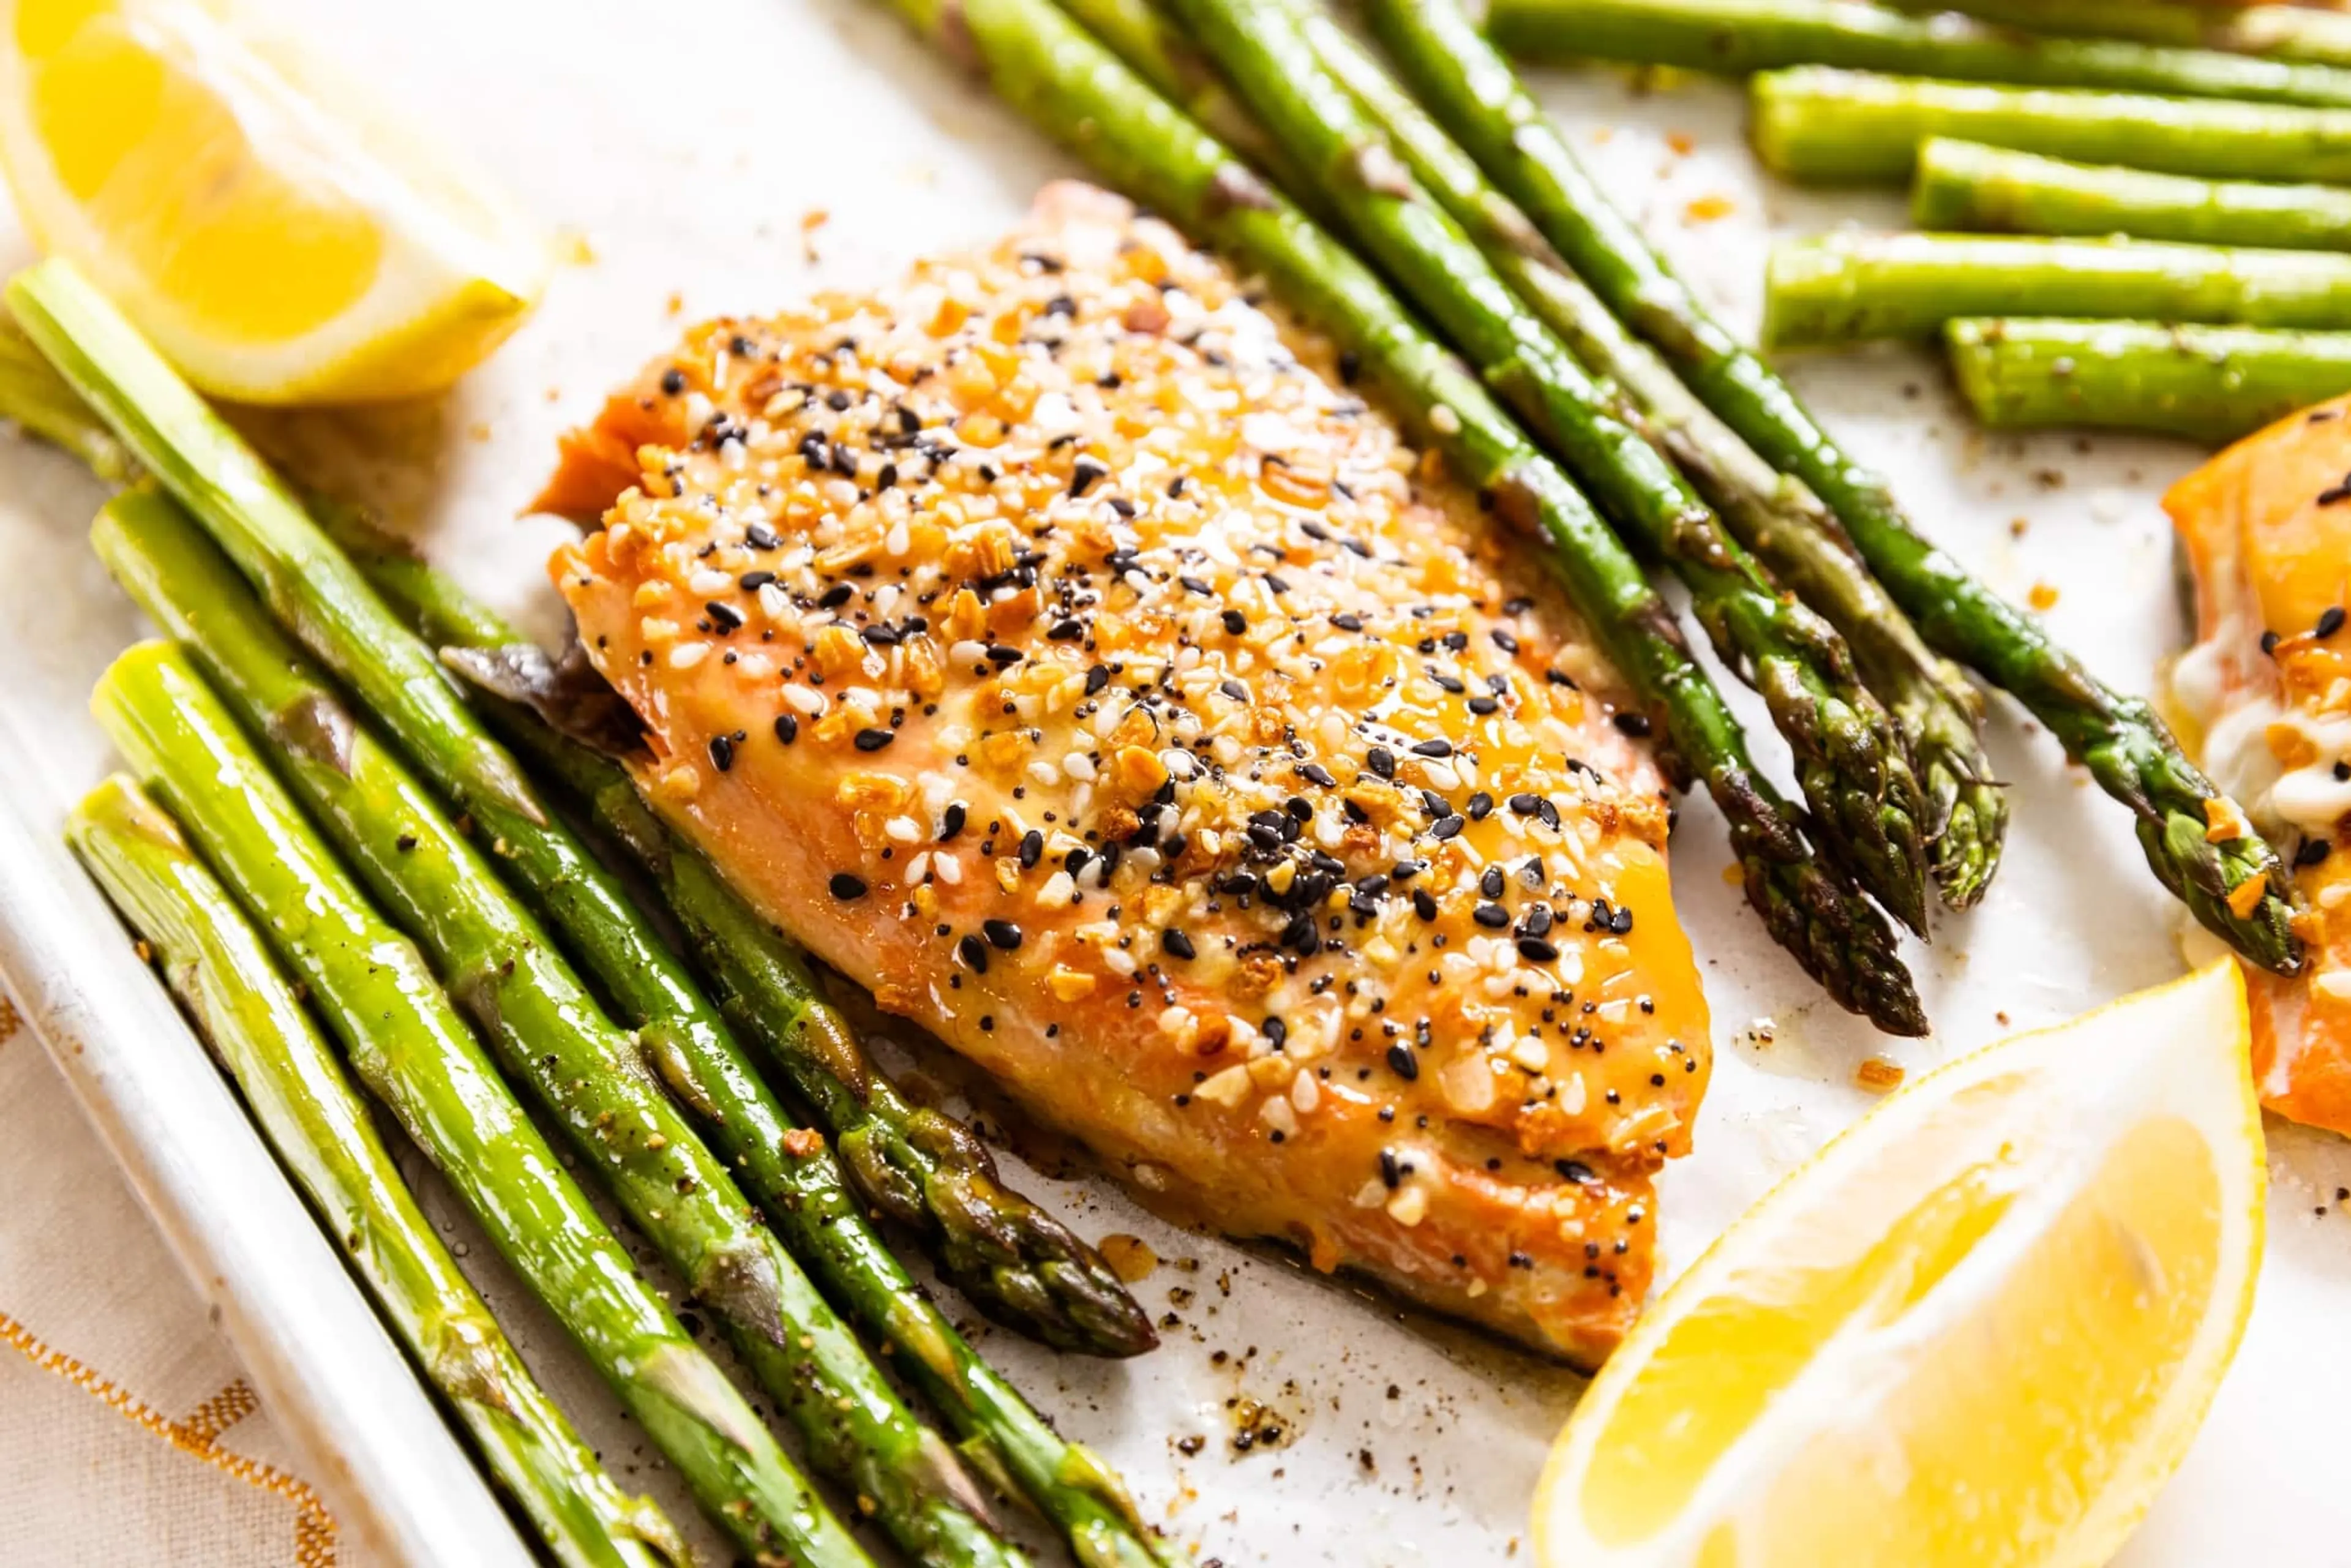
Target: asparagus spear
x,y
918,1166
1848,288
1827,126
1041,62
2212,384
1011,1258
551,1036
1964,186
1736,36
217,965
1777,519
2296,32
1849,756
406,1044
2237,887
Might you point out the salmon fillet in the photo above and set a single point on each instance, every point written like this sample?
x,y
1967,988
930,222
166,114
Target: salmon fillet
x,y
2265,694
1047,644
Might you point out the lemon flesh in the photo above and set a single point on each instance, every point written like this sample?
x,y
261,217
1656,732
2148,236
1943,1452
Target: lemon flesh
x,y
1981,1328
279,252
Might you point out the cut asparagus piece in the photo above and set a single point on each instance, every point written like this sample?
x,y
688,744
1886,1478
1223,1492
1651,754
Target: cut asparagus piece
x,y
1043,64
1847,288
406,1044
916,1164
1963,185
1736,36
1850,758
215,963
551,1036
2211,384
1778,518
1052,1285
2237,887
1826,125
2276,32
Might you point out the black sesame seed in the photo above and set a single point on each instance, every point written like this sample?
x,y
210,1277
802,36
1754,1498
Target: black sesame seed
x,y
1032,849
1576,1171
1236,622
722,752
2330,621
836,596
1381,760
1084,472
758,536
1445,827
1535,950
1504,641
726,617
1405,1064
1097,678
1433,748
754,580
973,952
1492,916
2269,642
1635,725
1178,944
1423,903
870,739
1001,934
951,820
1391,1171
673,380
788,729
846,887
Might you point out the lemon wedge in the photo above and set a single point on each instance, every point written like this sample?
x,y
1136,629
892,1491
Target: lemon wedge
x,y
1979,1328
277,239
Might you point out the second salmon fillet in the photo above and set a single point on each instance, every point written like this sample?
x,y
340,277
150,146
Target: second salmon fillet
x,y
1047,644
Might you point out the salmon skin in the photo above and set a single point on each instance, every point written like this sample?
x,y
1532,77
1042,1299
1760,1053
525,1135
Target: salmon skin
x,y
1051,647
2265,695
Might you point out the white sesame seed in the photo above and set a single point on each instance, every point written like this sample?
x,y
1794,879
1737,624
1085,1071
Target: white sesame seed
x,y
808,701
686,656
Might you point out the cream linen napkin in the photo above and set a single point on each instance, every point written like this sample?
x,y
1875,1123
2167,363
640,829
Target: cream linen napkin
x,y
128,1434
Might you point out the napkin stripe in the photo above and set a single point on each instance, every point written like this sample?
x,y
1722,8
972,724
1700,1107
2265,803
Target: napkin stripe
x,y
196,1435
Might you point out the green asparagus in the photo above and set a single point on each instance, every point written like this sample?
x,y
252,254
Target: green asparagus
x,y
1847,288
405,1041
2237,887
1835,126
1025,1268
215,965
1043,63
1962,185
918,1166
1850,758
2288,32
1777,519
552,1036
2211,384
1736,36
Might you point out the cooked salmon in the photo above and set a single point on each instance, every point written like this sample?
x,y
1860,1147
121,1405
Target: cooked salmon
x,y
1054,644
2266,694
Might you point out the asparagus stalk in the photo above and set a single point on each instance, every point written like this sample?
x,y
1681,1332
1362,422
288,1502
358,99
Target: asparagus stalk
x,y
550,1035
2211,384
1781,521
1777,519
1848,288
916,1164
406,1044
2296,32
1962,185
1736,36
2236,886
217,965
920,1165
1836,127
1041,62
1012,1258
1849,756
